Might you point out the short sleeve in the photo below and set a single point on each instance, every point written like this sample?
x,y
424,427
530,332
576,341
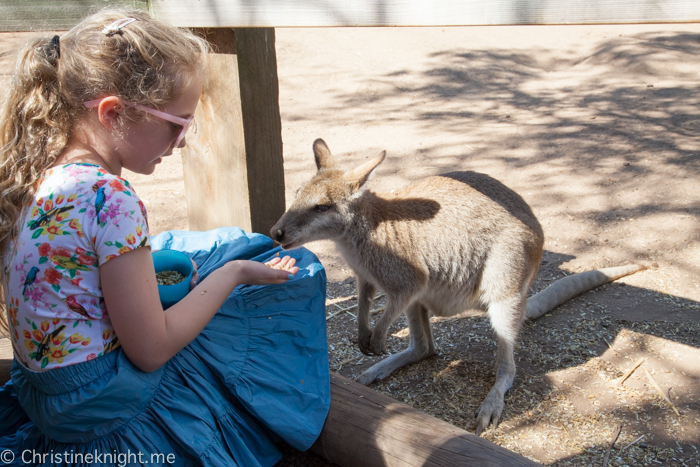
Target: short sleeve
x,y
116,221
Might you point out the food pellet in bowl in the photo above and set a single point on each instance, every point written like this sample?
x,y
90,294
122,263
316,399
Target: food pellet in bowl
x,y
169,277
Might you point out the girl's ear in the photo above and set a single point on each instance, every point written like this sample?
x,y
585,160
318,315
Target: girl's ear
x,y
109,110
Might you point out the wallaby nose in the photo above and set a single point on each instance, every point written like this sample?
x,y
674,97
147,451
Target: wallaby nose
x,y
277,234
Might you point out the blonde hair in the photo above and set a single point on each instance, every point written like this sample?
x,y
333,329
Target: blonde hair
x,y
146,62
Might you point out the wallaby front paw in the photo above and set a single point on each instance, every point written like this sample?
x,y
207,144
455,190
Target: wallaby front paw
x,y
377,345
489,412
363,340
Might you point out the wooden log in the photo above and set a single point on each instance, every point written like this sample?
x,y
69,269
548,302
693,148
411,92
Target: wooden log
x,y
369,429
233,166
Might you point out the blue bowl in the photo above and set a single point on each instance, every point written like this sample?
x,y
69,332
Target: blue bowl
x,y
172,260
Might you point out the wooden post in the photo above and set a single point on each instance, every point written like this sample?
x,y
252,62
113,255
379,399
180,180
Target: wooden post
x,y
233,167
368,429
5,359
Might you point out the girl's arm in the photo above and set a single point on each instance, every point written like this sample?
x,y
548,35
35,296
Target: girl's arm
x,y
150,336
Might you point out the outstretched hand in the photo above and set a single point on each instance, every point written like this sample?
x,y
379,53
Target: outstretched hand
x,y
276,271
286,263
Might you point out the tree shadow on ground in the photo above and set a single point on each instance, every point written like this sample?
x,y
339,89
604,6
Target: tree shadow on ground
x,y
566,391
597,139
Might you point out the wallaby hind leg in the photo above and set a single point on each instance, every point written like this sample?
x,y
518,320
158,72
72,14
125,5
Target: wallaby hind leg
x,y
365,299
421,346
506,319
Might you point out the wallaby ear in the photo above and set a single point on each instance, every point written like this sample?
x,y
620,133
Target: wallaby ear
x,y
322,155
361,174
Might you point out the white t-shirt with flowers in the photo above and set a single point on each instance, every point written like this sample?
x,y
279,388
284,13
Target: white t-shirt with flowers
x,y
81,217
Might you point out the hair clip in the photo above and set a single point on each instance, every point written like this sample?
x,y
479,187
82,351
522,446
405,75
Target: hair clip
x,y
117,26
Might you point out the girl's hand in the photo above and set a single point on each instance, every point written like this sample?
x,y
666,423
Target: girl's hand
x,y
275,271
286,263
283,264
195,275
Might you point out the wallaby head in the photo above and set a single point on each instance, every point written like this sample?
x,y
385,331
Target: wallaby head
x,y
322,208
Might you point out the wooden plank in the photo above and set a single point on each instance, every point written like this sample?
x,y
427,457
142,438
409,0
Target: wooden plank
x,y
371,429
233,167
311,13
54,15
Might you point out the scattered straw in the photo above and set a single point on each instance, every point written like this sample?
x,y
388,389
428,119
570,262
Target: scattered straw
x,y
629,372
616,434
661,393
632,443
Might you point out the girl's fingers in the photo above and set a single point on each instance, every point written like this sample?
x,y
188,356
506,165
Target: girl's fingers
x,y
195,280
286,263
195,275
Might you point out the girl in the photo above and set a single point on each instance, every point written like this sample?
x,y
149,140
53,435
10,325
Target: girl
x,y
102,375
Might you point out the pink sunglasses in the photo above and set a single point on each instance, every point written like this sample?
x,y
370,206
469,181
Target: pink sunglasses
x,y
184,122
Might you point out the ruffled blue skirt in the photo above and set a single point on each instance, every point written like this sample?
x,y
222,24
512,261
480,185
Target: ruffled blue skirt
x,y
256,375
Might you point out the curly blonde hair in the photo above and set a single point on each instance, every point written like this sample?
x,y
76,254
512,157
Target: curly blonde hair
x,y
146,62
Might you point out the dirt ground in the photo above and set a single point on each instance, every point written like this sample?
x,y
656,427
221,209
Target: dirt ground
x,y
598,128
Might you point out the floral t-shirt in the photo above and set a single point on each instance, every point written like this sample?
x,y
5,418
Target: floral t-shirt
x,y
81,217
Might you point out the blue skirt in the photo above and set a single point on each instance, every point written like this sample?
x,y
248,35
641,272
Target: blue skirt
x,y
257,374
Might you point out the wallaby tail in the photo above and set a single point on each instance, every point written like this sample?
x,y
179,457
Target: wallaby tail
x,y
571,286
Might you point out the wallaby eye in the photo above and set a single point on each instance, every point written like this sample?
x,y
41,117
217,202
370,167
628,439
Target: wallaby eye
x,y
321,208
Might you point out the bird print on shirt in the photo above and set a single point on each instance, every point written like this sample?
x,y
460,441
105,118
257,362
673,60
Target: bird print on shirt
x,y
43,348
31,277
100,198
45,218
73,304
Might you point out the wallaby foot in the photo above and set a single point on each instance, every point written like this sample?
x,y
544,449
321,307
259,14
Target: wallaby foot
x,y
381,370
490,411
492,407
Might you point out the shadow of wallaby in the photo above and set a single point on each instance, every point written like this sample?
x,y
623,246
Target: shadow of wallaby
x,y
570,362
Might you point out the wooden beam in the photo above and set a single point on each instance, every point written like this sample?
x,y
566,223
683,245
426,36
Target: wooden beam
x,y
38,15
54,15
369,429
233,166
312,13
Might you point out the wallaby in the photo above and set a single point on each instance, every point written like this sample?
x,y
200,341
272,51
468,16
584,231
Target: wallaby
x,y
443,245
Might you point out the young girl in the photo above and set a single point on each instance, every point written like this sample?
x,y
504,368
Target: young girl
x,y
102,375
